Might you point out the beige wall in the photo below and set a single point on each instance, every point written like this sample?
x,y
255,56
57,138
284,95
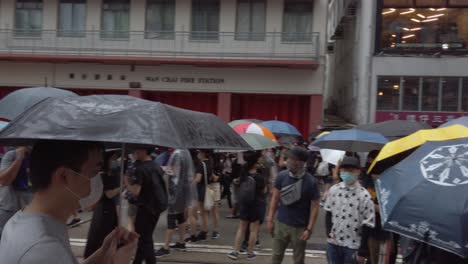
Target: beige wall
x,y
242,80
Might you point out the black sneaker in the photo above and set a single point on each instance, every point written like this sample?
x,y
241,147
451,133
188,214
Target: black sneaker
x,y
243,249
215,235
179,246
251,256
202,236
233,255
162,252
191,239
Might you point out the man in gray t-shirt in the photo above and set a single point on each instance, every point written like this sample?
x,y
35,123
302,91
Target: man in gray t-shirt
x,y
11,200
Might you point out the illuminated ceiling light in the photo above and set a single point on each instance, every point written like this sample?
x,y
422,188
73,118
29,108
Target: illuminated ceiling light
x,y
380,93
440,9
389,11
415,20
445,46
430,20
408,36
432,9
408,12
439,15
415,29
394,35
407,29
396,86
421,16
403,42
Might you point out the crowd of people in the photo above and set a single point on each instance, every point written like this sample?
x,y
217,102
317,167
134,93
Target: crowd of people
x,y
280,190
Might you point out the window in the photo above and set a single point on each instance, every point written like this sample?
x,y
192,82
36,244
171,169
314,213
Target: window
x,y
205,20
430,95
115,18
450,94
458,2
411,93
424,29
388,93
160,17
28,18
297,21
399,3
431,2
72,18
464,105
250,24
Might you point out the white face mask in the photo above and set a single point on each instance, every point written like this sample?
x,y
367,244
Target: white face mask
x,y
95,193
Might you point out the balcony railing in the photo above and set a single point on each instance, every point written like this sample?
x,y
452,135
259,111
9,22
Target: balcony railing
x,y
269,45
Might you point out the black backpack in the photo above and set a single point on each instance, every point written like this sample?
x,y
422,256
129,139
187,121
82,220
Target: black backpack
x,y
160,190
247,190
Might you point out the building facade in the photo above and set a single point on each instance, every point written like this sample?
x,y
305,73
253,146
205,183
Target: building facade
x,y
259,59
399,59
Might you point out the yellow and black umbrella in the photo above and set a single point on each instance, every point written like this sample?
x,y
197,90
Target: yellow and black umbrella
x,y
395,151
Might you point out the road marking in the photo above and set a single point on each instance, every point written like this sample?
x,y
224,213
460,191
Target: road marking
x,y
202,248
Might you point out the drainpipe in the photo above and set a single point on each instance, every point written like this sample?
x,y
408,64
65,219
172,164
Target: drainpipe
x,y
365,54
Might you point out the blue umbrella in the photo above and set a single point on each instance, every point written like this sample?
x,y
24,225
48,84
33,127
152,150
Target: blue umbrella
x,y
458,121
20,100
354,140
425,196
280,127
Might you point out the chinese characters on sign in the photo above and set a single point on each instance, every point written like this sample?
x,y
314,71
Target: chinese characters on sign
x,y
432,118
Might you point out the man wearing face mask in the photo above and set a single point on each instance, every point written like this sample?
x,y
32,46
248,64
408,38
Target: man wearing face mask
x,y
63,178
349,207
295,196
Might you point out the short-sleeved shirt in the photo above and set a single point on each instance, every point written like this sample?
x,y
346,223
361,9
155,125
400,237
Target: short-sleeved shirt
x,y
8,199
35,239
200,170
147,174
351,208
298,213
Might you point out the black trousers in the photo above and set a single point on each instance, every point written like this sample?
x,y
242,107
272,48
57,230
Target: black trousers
x,y
145,224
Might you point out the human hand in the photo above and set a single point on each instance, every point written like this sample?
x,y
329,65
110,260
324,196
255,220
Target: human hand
x,y
361,260
112,253
306,235
21,152
271,227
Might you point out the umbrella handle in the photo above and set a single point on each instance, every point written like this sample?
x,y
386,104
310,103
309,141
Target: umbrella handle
x,y
124,204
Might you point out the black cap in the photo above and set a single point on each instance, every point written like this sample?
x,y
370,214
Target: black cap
x,y
299,154
350,162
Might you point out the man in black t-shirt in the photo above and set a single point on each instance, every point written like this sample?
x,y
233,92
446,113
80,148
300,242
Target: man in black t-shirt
x,y
149,188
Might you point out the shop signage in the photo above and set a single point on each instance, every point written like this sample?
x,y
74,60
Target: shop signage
x,y
170,79
432,118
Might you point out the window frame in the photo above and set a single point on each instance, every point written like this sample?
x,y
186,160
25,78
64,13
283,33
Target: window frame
x,y
73,33
169,35
194,35
251,36
28,33
308,38
105,34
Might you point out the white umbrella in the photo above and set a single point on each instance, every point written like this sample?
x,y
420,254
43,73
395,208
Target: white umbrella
x,y
332,156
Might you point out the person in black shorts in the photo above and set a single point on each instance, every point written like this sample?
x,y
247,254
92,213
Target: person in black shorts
x,y
251,213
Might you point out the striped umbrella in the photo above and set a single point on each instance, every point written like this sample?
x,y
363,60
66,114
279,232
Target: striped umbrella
x,y
253,128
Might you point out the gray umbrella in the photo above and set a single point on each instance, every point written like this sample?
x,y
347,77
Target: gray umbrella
x,y
394,129
117,119
20,100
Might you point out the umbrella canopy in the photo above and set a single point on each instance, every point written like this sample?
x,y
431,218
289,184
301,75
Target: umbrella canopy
x,y
397,150
20,100
258,142
241,121
424,197
354,140
3,124
394,129
253,128
287,139
458,121
279,127
116,119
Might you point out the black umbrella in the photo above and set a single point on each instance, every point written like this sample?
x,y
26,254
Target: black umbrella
x,y
394,129
117,119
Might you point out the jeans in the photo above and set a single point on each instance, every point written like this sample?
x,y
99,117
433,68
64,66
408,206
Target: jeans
x,y
284,235
145,223
340,255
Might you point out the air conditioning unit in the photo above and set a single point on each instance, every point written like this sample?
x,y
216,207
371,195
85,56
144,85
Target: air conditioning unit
x,y
330,47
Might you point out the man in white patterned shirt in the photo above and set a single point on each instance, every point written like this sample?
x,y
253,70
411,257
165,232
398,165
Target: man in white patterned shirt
x,y
349,206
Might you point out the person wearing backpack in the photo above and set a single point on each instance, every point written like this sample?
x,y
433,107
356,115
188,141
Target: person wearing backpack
x,y
151,198
295,197
252,201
